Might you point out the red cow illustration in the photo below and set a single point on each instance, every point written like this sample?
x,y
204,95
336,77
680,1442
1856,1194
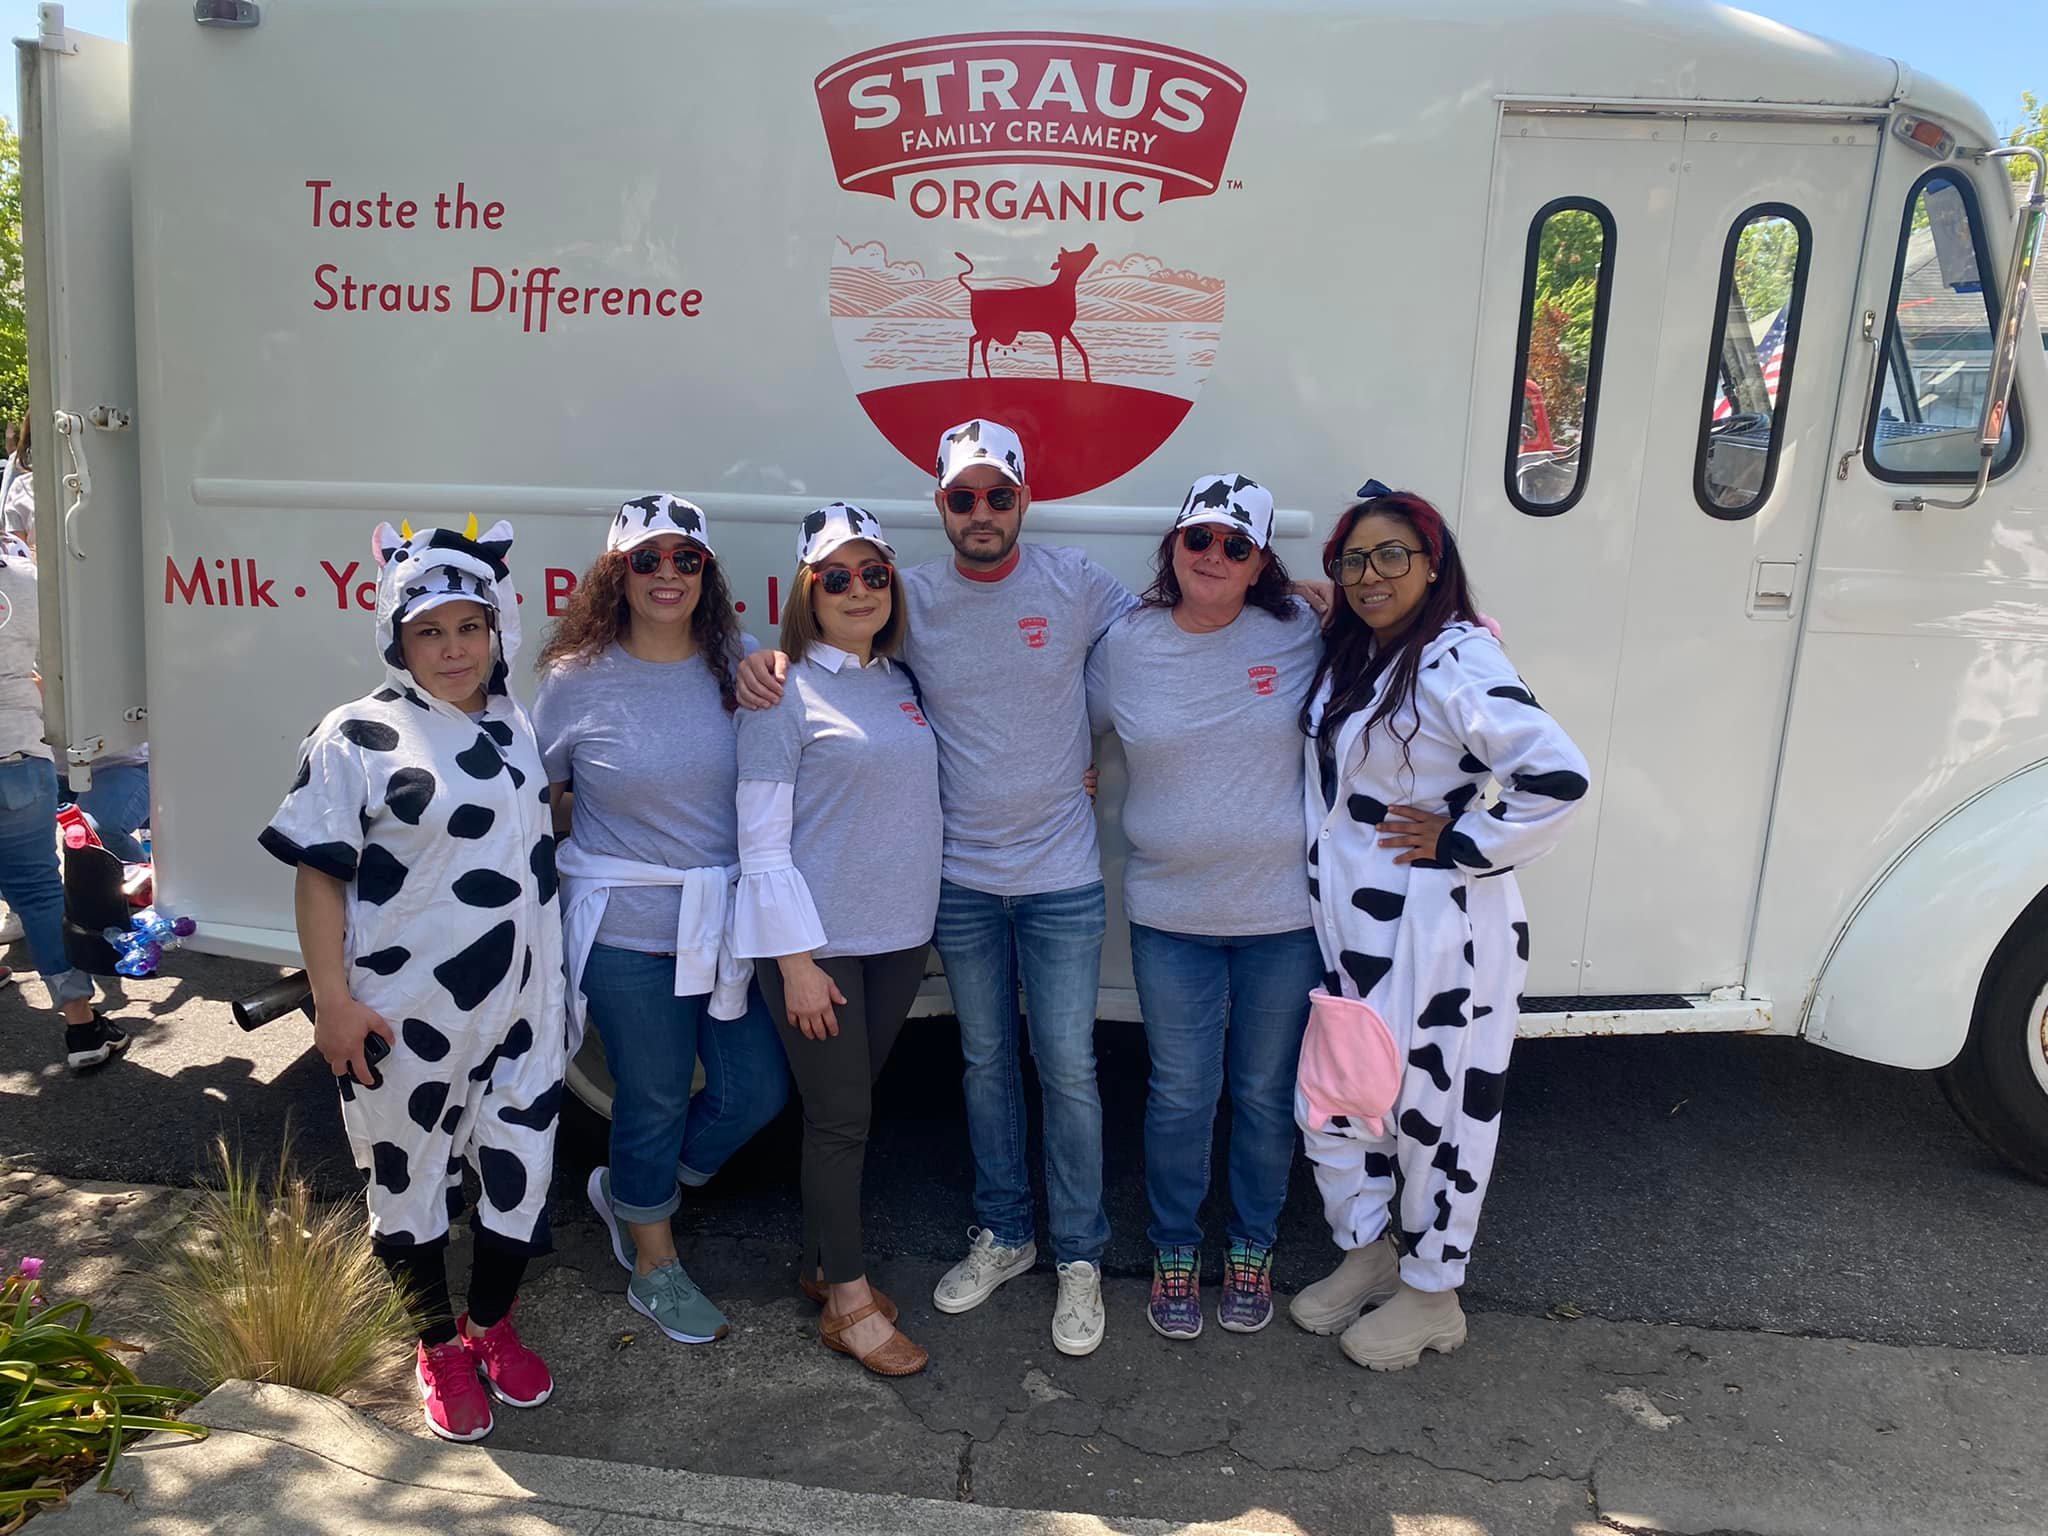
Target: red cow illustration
x,y
1001,315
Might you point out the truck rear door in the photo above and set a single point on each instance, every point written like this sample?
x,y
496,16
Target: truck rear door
x,y
80,273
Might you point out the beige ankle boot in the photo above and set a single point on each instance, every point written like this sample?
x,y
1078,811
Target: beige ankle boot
x,y
1366,1277
1392,1337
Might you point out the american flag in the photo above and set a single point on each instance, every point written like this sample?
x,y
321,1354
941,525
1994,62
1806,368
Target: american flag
x,y
1770,359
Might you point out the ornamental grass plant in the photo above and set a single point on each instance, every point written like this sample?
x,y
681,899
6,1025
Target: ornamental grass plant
x,y
267,1284
67,1403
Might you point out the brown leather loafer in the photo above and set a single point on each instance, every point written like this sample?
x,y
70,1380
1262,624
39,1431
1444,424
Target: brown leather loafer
x,y
894,1356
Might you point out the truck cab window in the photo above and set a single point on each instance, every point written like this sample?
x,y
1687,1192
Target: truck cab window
x,y
1929,399
1749,374
1568,277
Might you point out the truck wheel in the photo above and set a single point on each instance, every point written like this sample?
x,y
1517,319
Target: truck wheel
x,y
1998,1083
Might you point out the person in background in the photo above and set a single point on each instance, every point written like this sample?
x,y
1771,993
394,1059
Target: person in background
x,y
840,847
28,820
428,916
1202,685
18,491
635,720
1425,945
117,800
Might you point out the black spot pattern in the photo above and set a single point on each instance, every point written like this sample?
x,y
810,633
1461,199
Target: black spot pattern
x,y
1484,1093
471,821
480,758
1459,800
1443,1210
370,735
1381,906
1453,1251
498,731
1417,1126
526,969
1519,695
336,859
1366,809
389,1167
1460,849
1557,784
386,695
1410,1242
485,888
503,1175
1430,1058
539,1115
1315,853
1332,984
1379,1165
453,1201
1470,764
426,1103
543,865
1365,970
518,778
1445,1011
474,973
1458,895
1482,1011
304,778
451,1120
1468,951
517,1042
1446,1163
1521,941
380,875
423,1040
385,962
409,793
1315,888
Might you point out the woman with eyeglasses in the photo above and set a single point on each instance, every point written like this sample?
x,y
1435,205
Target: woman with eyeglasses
x,y
1202,683
1415,707
635,716
839,885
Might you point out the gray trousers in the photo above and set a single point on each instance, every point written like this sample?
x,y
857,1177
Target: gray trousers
x,y
836,1078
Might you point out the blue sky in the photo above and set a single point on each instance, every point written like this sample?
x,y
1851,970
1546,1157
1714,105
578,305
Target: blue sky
x,y
1991,49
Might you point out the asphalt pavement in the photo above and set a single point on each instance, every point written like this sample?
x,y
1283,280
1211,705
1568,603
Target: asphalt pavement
x,y
1715,1181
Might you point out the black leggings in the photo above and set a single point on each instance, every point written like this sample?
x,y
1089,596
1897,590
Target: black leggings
x,y
836,1077
421,1272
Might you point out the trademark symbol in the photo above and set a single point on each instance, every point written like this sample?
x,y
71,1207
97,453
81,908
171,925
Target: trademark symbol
x,y
1234,185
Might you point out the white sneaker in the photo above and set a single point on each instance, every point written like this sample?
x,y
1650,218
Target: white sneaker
x,y
974,1279
1077,1320
10,927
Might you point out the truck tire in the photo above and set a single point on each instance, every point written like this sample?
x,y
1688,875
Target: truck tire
x,y
1998,1082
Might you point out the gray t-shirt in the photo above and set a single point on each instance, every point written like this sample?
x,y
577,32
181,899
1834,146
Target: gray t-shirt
x,y
1210,727
650,751
1001,664
21,702
865,818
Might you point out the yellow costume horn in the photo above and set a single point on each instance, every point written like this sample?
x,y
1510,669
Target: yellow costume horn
x,y
470,531
405,529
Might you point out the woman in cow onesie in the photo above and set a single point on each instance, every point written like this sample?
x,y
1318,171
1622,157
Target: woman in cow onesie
x,y
1415,707
427,915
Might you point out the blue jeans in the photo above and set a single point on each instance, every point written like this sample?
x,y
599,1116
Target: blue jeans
x,y
1211,1003
28,871
1055,940
118,803
652,1042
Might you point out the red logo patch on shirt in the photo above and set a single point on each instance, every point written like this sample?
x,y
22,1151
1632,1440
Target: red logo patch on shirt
x,y
1263,679
1034,632
910,709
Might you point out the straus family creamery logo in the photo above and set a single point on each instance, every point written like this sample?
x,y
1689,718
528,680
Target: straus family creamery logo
x,y
1263,679
1018,253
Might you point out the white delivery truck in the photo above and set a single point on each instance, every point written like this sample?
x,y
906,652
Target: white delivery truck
x,y
1692,323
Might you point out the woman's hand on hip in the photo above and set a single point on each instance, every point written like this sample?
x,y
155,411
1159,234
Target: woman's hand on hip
x,y
807,997
1413,830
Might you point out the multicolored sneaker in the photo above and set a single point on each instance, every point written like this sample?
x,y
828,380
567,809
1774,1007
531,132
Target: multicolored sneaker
x,y
457,1408
1176,1306
1247,1304
513,1373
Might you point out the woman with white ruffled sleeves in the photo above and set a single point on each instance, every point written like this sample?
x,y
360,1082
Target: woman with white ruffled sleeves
x,y
839,885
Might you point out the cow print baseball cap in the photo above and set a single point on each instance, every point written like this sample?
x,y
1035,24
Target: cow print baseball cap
x,y
1233,501
980,442
651,516
841,523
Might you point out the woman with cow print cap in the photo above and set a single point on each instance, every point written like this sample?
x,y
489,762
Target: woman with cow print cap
x,y
1425,945
839,885
1201,684
635,715
418,824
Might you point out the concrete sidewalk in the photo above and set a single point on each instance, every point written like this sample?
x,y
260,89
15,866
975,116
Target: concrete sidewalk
x,y
1568,1427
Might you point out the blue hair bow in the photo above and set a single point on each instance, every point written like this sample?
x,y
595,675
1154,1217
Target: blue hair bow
x,y
1372,489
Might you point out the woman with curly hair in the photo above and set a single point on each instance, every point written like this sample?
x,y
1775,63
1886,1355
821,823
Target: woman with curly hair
x,y
635,719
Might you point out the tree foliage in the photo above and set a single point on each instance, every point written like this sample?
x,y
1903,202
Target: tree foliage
x,y
13,295
2032,129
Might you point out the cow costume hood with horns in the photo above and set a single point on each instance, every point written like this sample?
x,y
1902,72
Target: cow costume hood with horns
x,y
436,822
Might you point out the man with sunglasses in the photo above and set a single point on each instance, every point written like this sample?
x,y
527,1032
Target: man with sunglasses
x,y
999,647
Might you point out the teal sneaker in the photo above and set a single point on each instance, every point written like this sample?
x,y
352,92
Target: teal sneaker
x,y
599,1188
671,1298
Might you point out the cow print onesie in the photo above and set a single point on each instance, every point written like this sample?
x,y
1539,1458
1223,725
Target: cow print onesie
x,y
438,824
1438,948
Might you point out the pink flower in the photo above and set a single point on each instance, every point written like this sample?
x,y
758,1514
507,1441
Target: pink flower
x,y
31,1269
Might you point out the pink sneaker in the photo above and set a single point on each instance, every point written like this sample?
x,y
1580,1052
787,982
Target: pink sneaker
x,y
457,1408
514,1373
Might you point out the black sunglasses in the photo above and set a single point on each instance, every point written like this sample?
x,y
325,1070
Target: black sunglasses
x,y
876,577
645,560
1237,546
963,499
